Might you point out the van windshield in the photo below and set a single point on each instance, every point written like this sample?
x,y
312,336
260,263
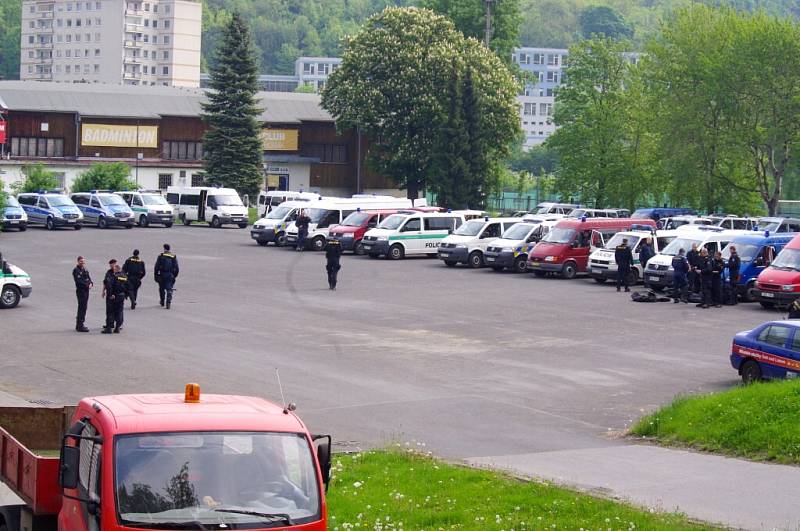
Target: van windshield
x,y
61,200
788,259
227,200
769,224
679,243
356,219
392,222
107,200
470,228
280,212
11,201
560,236
153,200
617,240
747,252
518,232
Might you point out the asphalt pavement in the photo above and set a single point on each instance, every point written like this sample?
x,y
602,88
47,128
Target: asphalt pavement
x,y
476,365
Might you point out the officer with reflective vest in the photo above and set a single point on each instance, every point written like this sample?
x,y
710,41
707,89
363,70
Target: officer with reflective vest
x,y
166,272
135,270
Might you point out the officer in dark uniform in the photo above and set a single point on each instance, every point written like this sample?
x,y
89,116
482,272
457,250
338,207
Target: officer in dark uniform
x,y
706,272
734,265
108,279
717,269
694,274
302,229
333,252
680,267
624,259
117,291
135,270
83,283
166,271
646,252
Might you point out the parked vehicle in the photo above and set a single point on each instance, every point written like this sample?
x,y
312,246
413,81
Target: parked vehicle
x,y
215,206
768,351
732,222
104,208
149,206
402,235
779,284
469,242
15,284
676,222
272,227
566,248
14,217
598,213
51,210
756,251
659,272
661,212
326,213
269,201
779,225
163,461
603,264
512,249
352,229
556,208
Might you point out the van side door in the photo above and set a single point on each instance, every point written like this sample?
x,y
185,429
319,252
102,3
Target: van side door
x,y
411,236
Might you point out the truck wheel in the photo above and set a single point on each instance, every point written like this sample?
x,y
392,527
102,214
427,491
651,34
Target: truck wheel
x,y
749,292
102,223
767,305
600,280
129,226
23,228
9,297
751,372
357,249
475,259
215,223
569,271
262,244
242,225
520,265
50,224
168,224
450,263
143,221
185,221
318,243
540,274
396,252
78,226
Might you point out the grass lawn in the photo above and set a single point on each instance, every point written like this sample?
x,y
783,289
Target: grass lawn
x,y
252,214
760,421
397,490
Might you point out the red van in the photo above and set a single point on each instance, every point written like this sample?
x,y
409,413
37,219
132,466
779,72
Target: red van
x,y
353,227
566,248
779,284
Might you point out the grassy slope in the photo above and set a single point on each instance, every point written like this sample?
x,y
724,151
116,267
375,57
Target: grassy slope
x,y
394,490
760,421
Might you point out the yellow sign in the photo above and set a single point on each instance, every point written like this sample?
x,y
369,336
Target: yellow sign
x,y
273,181
280,139
129,136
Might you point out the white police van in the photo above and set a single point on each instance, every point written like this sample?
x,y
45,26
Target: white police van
x,y
14,217
51,209
603,264
410,234
104,208
269,201
468,243
216,206
511,251
15,284
272,227
149,206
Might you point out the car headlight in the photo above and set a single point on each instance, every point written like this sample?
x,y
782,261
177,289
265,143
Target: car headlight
x,y
382,238
550,259
506,250
788,287
347,235
461,246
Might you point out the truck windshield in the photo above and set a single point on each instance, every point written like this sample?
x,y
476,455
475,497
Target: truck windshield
x,y
788,259
747,252
677,244
227,200
560,236
61,200
470,228
280,212
114,199
356,219
153,200
392,222
518,232
617,240
239,480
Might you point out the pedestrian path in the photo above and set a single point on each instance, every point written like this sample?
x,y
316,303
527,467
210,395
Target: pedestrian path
x,y
732,492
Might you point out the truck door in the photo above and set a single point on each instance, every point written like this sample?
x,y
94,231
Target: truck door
x,y
410,235
201,205
78,514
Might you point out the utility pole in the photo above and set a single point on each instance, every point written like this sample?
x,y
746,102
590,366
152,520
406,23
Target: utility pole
x,y
488,33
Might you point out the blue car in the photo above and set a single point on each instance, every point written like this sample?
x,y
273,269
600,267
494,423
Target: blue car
x,y
768,351
756,251
14,217
662,212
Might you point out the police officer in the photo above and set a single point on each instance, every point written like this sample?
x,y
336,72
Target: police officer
x,y
694,273
734,265
624,259
108,279
706,273
646,252
302,229
333,252
717,270
83,283
116,293
680,266
135,270
166,272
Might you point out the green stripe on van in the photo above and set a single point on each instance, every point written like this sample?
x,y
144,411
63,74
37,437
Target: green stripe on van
x,y
418,237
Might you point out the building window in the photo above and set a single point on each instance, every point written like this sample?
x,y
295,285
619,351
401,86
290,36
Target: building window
x,y
165,70
327,153
538,58
166,54
530,109
166,23
37,147
197,179
166,39
552,59
524,59
552,77
164,181
155,23
182,150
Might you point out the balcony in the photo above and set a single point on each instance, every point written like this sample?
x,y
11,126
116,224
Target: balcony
x,y
132,76
133,12
133,44
45,45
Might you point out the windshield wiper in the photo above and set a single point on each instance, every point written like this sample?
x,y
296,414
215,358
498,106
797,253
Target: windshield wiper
x,y
187,524
272,516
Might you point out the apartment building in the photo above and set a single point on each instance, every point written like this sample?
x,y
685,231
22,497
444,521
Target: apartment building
x,y
131,42
313,71
537,99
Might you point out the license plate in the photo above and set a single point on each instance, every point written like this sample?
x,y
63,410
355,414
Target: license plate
x,y
70,221
596,271
534,264
654,279
365,246
443,253
489,258
767,294
13,222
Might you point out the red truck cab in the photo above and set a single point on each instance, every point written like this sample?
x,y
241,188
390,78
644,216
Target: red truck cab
x,y
779,284
566,248
351,230
165,461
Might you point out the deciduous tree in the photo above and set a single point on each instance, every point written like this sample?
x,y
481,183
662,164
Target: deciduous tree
x,y
105,176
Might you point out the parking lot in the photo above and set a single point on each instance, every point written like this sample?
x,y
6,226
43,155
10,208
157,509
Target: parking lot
x,y
468,362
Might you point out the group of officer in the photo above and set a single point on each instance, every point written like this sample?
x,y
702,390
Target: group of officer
x,y
123,282
623,255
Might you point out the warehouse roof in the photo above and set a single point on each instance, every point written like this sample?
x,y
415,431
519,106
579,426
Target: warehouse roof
x,y
128,101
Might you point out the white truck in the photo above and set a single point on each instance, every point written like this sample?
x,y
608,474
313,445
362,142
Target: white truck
x,y
15,284
215,206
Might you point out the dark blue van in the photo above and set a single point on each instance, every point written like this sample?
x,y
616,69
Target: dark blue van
x,y
662,212
756,251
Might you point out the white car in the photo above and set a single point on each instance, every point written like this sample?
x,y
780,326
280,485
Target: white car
x,y
603,264
15,284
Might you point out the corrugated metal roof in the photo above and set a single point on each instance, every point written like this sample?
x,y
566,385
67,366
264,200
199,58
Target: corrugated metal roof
x,y
126,101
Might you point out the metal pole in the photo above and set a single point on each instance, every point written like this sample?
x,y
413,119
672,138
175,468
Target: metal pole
x,y
137,152
488,32
358,163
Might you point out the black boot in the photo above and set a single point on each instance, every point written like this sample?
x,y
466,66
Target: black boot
x,y
161,302
81,328
106,330
168,305
133,305
116,330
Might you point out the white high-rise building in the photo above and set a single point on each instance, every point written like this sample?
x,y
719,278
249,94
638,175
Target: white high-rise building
x,y
132,42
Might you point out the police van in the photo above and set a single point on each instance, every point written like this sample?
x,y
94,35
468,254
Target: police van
x,y
14,217
402,235
272,227
603,264
215,206
325,213
149,206
658,273
15,284
51,209
468,243
511,251
104,208
269,201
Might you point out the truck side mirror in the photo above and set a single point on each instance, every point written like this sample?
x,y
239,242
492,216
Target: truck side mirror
x,y
324,458
69,465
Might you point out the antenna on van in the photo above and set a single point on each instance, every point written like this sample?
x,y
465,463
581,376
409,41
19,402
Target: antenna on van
x,y
291,406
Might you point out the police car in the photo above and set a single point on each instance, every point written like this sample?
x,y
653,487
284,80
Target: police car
x,y
770,350
149,206
104,208
14,217
52,209
15,284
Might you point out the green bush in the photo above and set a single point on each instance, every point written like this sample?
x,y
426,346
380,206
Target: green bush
x,y
105,176
37,177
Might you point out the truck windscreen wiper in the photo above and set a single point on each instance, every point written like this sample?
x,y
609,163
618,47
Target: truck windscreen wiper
x,y
280,517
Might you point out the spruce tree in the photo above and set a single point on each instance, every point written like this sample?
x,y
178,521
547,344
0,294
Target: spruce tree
x,y
232,145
